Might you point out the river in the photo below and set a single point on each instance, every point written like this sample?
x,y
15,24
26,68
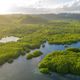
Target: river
x,y
22,69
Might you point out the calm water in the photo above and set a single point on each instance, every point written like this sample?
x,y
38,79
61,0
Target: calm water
x,y
9,39
22,69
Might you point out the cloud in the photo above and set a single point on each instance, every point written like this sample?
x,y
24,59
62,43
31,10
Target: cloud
x,y
39,6
73,6
58,6
52,3
6,6
54,6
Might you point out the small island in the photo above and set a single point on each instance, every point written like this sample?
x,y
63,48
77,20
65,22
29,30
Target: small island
x,y
36,53
62,62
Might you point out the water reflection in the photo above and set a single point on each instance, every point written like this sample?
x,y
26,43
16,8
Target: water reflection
x,y
22,69
9,39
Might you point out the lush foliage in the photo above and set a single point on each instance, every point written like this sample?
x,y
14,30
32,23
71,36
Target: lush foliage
x,y
36,53
33,31
73,49
44,70
63,62
29,56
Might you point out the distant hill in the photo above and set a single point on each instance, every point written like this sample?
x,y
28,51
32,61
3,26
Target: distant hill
x,y
61,16
37,18
19,18
33,19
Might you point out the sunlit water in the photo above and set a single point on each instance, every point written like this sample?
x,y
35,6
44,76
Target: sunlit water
x,y
9,39
22,69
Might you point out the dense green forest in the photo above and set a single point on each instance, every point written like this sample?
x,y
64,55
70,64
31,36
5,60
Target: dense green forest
x,y
33,31
63,62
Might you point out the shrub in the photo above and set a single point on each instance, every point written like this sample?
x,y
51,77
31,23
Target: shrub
x,y
29,56
10,60
73,49
37,53
26,49
21,52
44,70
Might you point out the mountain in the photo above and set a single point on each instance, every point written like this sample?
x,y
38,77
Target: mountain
x,y
61,16
36,18
20,18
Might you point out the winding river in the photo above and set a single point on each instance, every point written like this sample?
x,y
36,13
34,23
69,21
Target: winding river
x,y
22,69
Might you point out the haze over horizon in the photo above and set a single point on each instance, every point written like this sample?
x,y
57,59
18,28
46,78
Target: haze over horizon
x,y
39,6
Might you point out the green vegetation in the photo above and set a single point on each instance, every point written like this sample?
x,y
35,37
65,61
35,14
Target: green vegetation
x,y
10,61
73,49
36,53
63,62
44,70
33,31
29,56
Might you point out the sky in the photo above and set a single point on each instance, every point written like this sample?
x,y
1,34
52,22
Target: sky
x,y
39,6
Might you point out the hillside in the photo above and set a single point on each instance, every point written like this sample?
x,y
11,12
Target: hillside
x,y
24,19
36,19
61,16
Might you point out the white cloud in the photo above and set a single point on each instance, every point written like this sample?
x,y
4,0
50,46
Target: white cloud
x,y
22,6
7,5
74,6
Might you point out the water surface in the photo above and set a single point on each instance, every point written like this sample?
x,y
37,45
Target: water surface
x,y
22,69
9,39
